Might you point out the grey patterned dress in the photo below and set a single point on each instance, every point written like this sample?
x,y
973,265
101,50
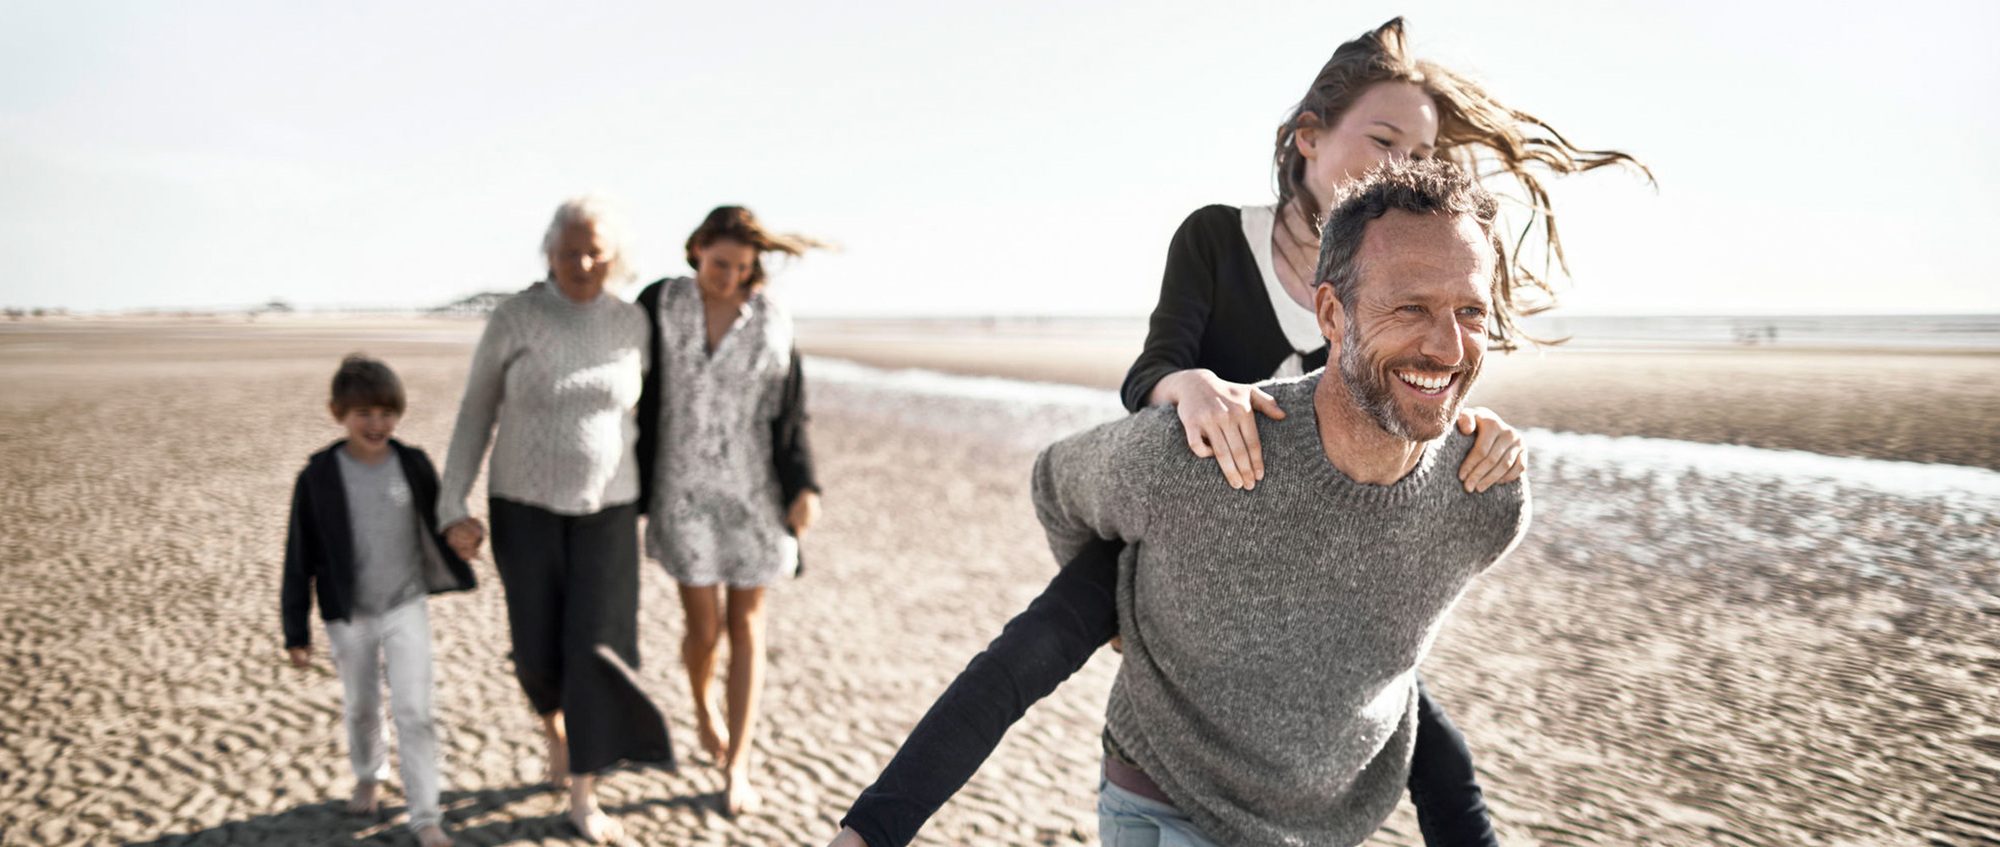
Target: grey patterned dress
x,y
717,515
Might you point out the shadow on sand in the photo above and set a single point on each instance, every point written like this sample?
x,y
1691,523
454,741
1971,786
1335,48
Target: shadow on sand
x,y
328,823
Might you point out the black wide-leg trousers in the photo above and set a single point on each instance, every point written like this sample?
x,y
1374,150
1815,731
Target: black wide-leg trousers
x,y
572,584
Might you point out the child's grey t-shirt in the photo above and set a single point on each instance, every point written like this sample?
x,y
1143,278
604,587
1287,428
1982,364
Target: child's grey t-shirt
x,y
388,565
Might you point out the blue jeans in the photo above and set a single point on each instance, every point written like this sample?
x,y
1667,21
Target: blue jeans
x,y
1125,819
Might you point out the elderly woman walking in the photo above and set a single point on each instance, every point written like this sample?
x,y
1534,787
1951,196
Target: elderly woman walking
x,y
554,388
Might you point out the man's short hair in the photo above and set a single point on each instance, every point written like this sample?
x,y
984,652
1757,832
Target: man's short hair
x,y
363,381
1429,186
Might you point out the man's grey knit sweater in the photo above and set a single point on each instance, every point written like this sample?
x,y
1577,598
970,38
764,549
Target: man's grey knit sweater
x,y
1272,636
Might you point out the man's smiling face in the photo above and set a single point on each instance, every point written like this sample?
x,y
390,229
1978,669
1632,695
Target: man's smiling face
x,y
1415,335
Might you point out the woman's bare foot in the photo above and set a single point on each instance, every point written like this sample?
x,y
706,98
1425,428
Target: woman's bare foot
x,y
738,796
557,738
708,727
366,799
433,836
590,820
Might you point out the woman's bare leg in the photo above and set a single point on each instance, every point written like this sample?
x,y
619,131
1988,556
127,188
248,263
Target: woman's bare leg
x,y
589,819
746,683
699,651
558,747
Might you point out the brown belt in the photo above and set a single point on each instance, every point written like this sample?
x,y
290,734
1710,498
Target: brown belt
x,y
1131,778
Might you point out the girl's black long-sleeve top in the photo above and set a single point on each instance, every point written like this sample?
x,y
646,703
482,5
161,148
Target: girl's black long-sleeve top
x,y
1215,313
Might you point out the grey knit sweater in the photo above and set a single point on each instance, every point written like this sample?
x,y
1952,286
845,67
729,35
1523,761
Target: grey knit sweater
x,y
561,381
1272,636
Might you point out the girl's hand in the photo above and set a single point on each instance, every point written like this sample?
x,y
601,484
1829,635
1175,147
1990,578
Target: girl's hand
x,y
301,656
804,511
1220,420
1497,455
848,838
465,537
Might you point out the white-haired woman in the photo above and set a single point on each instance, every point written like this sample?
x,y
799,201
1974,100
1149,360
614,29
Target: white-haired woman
x,y
554,389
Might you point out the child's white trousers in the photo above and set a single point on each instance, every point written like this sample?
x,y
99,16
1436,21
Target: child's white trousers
x,y
397,642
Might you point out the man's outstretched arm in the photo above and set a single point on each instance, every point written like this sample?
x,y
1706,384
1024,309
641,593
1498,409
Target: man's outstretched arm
x,y
1082,490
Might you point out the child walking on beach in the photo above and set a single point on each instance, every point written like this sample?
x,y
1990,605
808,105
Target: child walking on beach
x,y
364,541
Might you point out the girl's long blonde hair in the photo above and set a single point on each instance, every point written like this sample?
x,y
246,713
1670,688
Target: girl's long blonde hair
x,y
1475,131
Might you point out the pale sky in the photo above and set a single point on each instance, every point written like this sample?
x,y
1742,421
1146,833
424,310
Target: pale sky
x,y
1017,158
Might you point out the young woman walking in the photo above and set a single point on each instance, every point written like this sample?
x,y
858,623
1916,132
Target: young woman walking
x,y
732,487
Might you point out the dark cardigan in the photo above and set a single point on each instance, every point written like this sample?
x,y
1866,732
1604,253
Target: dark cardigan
x,y
1214,311
319,544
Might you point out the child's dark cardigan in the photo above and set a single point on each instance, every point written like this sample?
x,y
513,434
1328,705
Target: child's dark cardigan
x,y
319,546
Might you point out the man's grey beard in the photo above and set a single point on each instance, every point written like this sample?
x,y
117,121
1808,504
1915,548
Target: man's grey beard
x,y
1370,388
1367,388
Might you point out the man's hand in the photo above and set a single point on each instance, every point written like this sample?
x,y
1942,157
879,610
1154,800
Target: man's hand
x,y
465,538
301,656
1497,455
1220,420
804,511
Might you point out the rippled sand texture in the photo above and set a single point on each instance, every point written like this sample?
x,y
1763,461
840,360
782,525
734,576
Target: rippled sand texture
x,y
146,699
1691,648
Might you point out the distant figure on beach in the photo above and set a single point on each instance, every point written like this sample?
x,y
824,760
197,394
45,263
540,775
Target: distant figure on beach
x,y
1268,692
554,389
732,485
1236,307
363,539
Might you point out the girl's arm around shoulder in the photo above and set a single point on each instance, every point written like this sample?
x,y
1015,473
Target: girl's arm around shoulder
x,y
1187,296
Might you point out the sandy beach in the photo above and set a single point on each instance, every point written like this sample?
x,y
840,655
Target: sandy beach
x,y
1697,644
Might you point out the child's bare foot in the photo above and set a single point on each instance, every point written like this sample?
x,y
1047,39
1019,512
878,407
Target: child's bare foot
x,y
433,836
367,798
558,756
590,820
738,796
707,726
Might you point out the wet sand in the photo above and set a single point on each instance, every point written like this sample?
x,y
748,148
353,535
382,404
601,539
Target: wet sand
x,y
1755,696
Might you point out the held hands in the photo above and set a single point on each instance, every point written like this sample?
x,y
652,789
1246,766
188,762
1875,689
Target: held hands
x,y
465,538
1220,419
1497,453
804,511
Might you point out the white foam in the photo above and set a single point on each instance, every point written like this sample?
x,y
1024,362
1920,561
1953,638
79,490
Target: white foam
x,y
1667,457
935,384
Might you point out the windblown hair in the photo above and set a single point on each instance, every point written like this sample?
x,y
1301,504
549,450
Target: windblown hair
x,y
1473,129
1432,187
735,223
591,209
363,381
